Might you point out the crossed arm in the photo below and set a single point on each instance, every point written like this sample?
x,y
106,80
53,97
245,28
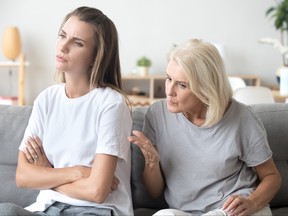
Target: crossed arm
x,y
92,184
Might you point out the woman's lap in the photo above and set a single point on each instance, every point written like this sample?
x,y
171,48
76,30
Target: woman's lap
x,y
57,208
266,211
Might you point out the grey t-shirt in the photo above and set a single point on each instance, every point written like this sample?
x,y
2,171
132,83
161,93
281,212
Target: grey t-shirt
x,y
203,166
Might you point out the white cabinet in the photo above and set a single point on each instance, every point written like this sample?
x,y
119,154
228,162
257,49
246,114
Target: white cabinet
x,y
144,90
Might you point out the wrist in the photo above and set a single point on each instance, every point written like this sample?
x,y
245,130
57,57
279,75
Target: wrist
x,y
253,202
152,164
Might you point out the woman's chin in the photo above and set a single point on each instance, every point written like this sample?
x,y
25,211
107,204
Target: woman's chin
x,y
172,108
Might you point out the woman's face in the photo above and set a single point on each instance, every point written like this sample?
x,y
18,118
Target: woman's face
x,y
180,98
75,47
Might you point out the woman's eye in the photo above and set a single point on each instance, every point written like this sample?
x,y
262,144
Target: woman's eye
x,y
78,43
182,86
61,35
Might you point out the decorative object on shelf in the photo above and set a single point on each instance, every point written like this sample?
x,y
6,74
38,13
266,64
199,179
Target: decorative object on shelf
x,y
283,81
11,43
279,14
144,90
282,49
143,65
21,65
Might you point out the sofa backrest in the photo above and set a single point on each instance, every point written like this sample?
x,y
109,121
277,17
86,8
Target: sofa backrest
x,y
13,121
140,195
275,120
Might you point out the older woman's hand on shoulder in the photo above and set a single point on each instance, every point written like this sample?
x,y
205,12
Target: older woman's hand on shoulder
x,y
148,149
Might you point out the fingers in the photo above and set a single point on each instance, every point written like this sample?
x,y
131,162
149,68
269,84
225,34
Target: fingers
x,y
228,202
28,156
116,180
115,184
139,139
139,134
33,149
148,149
238,205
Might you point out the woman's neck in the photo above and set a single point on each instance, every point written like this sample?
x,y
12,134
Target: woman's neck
x,y
76,89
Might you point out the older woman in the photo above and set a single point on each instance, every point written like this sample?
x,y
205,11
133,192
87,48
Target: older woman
x,y
206,151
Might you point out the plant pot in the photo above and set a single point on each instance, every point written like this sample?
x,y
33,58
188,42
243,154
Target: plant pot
x,y
143,71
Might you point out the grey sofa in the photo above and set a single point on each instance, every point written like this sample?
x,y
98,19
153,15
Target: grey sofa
x,y
13,121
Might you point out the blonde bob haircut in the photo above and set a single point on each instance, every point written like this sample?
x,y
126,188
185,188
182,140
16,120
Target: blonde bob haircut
x,y
208,80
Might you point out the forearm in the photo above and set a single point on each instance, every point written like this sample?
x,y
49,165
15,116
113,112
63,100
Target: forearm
x,y
84,189
153,179
97,186
38,177
265,192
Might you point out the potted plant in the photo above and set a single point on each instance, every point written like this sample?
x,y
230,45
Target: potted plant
x,y
279,14
143,65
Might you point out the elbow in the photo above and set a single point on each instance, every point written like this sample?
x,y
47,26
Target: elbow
x,y
97,195
279,181
20,180
155,194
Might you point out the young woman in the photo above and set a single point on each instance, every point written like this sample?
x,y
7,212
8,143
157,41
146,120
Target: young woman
x,y
75,147
211,154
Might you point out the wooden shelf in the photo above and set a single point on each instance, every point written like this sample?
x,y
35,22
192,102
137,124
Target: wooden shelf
x,y
21,64
151,91
278,97
151,88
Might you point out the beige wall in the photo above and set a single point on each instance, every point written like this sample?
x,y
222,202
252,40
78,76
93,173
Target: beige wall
x,y
149,27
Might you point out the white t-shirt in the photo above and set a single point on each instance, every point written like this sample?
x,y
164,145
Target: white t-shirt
x,y
203,166
74,130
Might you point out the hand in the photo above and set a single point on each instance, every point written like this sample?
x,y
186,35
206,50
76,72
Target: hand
x,y
115,184
150,153
34,152
240,206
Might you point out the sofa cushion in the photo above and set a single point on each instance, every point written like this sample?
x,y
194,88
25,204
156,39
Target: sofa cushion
x,y
275,120
13,121
140,195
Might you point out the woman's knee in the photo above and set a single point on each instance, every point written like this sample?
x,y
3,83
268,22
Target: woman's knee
x,y
266,211
171,212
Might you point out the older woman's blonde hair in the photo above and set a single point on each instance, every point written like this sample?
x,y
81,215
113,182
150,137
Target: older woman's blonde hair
x,y
208,80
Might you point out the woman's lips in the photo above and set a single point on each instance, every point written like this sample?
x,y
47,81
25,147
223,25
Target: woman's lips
x,y
60,58
171,102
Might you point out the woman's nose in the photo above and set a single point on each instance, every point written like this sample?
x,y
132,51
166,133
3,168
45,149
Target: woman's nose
x,y
169,89
63,46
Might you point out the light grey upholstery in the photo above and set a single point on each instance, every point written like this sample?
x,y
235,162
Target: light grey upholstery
x,y
13,121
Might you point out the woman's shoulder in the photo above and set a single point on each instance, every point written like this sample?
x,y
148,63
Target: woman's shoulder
x,y
244,112
158,109
241,108
53,89
50,92
107,97
158,105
